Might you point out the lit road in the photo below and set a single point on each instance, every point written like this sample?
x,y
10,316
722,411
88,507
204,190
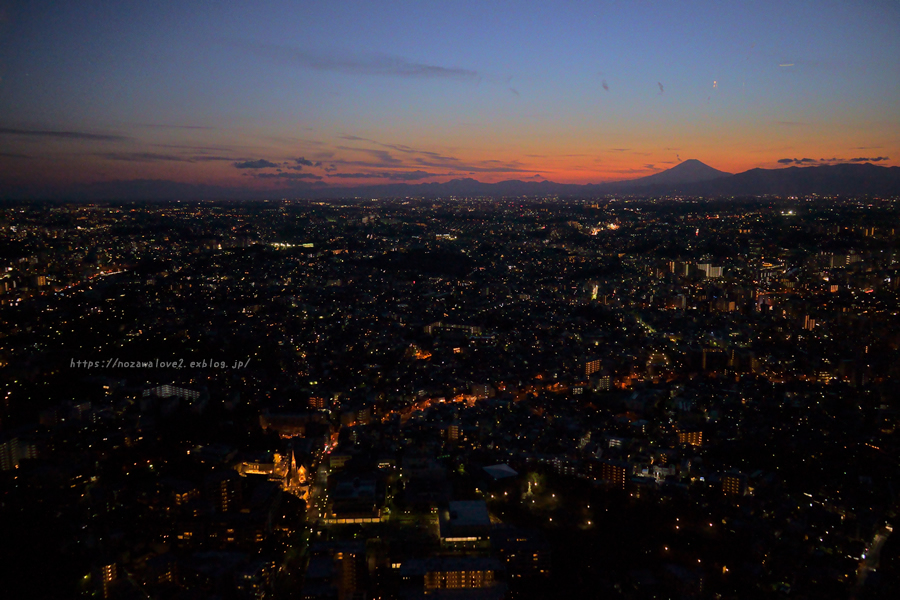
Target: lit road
x,y
315,504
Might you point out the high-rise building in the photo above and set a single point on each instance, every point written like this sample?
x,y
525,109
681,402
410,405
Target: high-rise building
x,y
734,484
350,564
9,454
106,575
709,271
224,491
679,268
338,570
690,438
604,383
614,472
714,359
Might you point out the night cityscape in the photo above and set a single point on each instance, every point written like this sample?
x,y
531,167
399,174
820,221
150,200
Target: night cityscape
x,y
521,398
463,300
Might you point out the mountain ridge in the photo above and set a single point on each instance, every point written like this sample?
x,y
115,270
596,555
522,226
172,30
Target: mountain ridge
x,y
696,178
689,178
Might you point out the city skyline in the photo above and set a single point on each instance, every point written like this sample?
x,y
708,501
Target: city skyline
x,y
290,97
346,398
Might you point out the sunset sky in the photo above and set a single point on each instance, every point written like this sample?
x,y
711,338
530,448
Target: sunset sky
x,y
284,95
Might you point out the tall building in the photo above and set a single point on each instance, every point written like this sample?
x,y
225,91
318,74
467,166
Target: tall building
x,y
709,271
458,579
690,438
526,556
337,570
714,359
451,574
614,472
679,268
350,564
9,454
224,491
452,432
604,383
105,576
734,484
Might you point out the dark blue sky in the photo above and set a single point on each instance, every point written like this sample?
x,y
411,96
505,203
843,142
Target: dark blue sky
x,y
234,93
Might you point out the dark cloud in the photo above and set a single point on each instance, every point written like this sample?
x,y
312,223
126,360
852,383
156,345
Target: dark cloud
x,y
515,91
255,164
604,85
356,175
330,169
63,135
144,157
537,176
302,162
796,161
162,157
391,175
472,169
287,176
629,171
661,88
369,64
874,159
410,175
164,126
419,159
210,158
195,148
383,158
403,148
13,155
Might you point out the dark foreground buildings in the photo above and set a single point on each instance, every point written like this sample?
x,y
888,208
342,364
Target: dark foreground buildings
x,y
475,398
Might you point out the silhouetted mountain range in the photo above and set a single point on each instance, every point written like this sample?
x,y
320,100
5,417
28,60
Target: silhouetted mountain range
x,y
843,179
690,171
689,178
